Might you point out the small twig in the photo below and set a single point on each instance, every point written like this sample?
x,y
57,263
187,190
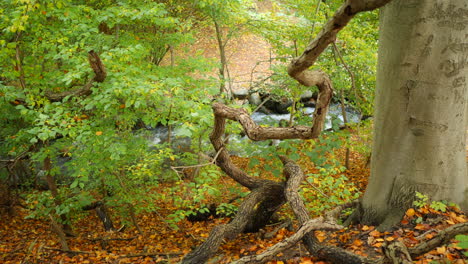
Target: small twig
x,y
317,189
110,239
285,224
423,236
213,161
333,214
260,105
70,251
151,254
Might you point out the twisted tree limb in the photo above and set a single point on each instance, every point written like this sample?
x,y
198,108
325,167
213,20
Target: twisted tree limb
x,y
295,176
99,76
299,67
261,202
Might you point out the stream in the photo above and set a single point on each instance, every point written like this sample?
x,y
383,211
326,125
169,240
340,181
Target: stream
x,y
183,144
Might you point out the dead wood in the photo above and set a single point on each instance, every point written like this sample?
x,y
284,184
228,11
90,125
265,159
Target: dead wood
x,y
314,224
442,238
396,252
149,254
99,76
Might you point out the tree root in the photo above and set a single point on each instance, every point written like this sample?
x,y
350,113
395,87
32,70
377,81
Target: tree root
x,y
253,213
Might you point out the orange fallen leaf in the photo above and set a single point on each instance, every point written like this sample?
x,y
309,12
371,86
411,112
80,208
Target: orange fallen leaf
x,y
320,235
420,227
450,222
253,248
375,233
410,212
358,242
307,261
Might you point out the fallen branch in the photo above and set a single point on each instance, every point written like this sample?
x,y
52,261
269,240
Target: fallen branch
x,y
111,239
151,254
314,224
70,251
441,238
294,176
397,252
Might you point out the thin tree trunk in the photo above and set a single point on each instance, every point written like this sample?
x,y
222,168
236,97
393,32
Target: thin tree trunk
x,y
222,57
19,61
54,191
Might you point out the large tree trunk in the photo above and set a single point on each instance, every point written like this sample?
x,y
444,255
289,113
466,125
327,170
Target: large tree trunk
x,y
419,136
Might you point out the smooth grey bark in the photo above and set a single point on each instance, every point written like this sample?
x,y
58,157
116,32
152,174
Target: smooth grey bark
x,y
421,95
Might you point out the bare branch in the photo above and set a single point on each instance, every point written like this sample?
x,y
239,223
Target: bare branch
x,y
328,35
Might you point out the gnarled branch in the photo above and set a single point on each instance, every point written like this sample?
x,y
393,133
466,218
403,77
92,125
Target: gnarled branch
x,y
100,75
299,67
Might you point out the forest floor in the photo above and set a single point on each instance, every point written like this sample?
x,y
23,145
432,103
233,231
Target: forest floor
x,y
33,241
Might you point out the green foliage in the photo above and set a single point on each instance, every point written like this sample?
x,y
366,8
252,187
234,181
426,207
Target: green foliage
x,y
42,204
226,209
423,200
327,189
463,243
292,24
93,141
100,144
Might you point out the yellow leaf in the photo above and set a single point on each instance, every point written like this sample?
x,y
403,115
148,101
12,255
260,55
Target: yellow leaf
x,y
98,133
365,228
441,250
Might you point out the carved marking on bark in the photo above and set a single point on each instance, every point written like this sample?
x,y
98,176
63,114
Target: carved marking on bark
x,y
426,51
458,82
413,123
456,45
452,68
449,16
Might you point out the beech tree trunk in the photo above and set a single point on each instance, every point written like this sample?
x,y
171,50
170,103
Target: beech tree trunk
x,y
421,95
